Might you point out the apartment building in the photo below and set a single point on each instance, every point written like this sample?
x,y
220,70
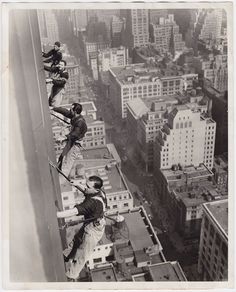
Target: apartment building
x,y
156,14
187,139
72,85
213,249
165,34
140,80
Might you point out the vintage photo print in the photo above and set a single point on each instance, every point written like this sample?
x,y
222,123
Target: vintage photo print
x,y
117,128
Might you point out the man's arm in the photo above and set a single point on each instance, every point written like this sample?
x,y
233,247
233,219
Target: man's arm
x,y
48,54
65,112
59,81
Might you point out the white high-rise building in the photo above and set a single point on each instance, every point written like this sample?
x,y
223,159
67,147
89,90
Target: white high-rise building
x,y
48,26
212,25
187,139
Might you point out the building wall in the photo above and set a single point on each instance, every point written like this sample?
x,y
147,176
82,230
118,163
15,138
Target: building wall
x,y
213,251
34,235
48,26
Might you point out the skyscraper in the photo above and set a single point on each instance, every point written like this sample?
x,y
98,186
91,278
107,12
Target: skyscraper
x,y
136,32
165,34
48,26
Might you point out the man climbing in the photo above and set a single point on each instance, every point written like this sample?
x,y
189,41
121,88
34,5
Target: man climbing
x,y
85,240
58,82
54,57
71,150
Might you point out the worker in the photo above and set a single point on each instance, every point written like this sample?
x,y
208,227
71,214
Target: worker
x,y
58,82
93,207
54,57
72,149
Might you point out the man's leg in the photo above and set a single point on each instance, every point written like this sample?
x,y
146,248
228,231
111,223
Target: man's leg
x,y
68,161
91,237
70,252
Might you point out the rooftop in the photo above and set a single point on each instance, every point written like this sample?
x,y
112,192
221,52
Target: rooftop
x,y
103,274
133,73
112,178
134,230
169,271
192,172
138,107
219,212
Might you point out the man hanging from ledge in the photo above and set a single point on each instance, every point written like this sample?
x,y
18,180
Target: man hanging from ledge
x,y
58,82
54,57
72,148
85,240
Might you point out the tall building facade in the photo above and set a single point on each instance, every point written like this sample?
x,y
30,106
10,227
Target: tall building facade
x,y
213,249
211,24
117,24
136,31
79,20
48,26
72,85
187,139
165,34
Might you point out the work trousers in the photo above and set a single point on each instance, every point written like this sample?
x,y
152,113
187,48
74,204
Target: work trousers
x,y
91,236
67,160
56,96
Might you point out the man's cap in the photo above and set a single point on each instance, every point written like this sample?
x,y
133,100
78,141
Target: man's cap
x,y
57,44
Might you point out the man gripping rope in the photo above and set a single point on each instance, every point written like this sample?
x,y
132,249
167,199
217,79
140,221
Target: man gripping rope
x,y
71,150
85,240
53,57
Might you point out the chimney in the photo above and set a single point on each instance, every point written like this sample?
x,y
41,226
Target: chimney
x,y
120,221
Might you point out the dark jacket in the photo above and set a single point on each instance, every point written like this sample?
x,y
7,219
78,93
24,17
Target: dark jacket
x,y
78,128
78,124
92,208
53,56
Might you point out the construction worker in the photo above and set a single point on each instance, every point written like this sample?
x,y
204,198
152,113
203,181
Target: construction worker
x,y
54,57
72,148
58,82
92,208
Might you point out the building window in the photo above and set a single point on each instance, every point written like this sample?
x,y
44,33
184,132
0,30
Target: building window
x,y
126,205
98,260
114,206
66,198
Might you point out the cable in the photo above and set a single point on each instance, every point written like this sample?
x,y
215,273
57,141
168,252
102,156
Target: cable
x,y
60,118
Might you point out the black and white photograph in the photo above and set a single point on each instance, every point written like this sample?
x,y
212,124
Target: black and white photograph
x,y
117,145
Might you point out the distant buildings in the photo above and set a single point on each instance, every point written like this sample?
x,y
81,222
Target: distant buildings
x,y
211,24
73,83
116,27
165,34
220,115
146,54
112,57
213,249
183,190
136,31
214,68
79,20
146,82
156,14
48,26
